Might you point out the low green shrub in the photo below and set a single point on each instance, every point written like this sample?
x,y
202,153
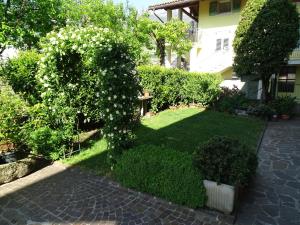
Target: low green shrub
x,y
225,160
47,142
43,134
20,73
284,105
162,172
174,86
13,112
262,110
231,99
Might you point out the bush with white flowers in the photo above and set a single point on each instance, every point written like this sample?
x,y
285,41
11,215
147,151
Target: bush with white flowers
x,y
91,71
67,68
120,87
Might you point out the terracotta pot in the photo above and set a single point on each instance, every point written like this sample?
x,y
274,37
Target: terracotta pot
x,y
285,117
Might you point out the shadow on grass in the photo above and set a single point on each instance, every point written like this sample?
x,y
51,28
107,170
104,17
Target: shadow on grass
x,y
61,196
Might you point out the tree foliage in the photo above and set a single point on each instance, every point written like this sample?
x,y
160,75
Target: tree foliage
x,y
20,73
172,34
95,12
266,34
24,22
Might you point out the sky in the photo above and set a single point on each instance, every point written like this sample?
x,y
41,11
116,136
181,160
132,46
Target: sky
x,y
140,4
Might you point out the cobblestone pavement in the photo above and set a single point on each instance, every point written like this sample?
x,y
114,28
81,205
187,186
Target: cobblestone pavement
x,y
274,198
58,195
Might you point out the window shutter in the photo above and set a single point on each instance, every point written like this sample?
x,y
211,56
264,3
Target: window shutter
x,y
219,45
226,44
213,8
236,5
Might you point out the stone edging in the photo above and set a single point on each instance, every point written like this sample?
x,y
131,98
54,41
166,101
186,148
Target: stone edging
x,y
261,137
21,168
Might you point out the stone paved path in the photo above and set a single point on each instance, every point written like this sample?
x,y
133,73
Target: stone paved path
x,y
55,195
274,198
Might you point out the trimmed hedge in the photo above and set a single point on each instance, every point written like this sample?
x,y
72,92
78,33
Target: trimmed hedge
x,y
225,160
162,172
175,86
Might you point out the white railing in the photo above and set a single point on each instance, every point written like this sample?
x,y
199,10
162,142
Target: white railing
x,y
194,34
295,54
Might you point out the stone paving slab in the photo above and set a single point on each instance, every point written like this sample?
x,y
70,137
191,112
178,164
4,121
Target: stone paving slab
x,y
274,196
58,195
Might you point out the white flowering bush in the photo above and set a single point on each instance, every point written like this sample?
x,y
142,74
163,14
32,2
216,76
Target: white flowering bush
x,y
90,71
120,87
67,68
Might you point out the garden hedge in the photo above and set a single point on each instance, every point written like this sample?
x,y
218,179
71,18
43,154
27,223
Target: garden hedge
x,y
165,173
175,86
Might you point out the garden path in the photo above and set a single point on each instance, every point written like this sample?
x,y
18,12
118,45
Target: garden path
x,y
274,197
58,195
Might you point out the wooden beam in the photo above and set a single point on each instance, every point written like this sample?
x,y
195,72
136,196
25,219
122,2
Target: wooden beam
x,y
158,17
190,15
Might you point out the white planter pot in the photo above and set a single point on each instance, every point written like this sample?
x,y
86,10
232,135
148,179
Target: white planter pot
x,y
221,197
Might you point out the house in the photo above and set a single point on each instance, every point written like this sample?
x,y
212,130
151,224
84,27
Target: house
x,y
216,22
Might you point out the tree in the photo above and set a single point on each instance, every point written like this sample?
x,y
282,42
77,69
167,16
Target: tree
x,y
95,12
105,14
266,34
23,22
172,33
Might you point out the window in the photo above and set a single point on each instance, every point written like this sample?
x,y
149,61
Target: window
x,y
219,45
224,6
213,8
226,44
286,79
236,5
234,76
222,44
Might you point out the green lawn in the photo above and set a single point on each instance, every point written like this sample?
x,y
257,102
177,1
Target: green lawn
x,y
181,129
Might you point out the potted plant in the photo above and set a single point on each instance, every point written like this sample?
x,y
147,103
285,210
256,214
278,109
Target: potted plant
x,y
285,106
226,166
264,111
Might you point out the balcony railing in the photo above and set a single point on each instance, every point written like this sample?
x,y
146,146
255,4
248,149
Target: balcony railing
x,y
194,34
295,54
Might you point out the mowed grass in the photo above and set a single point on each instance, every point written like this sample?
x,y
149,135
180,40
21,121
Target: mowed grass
x,y
181,129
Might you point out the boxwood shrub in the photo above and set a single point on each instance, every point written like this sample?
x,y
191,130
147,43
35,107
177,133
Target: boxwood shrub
x,y
174,86
226,160
165,173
